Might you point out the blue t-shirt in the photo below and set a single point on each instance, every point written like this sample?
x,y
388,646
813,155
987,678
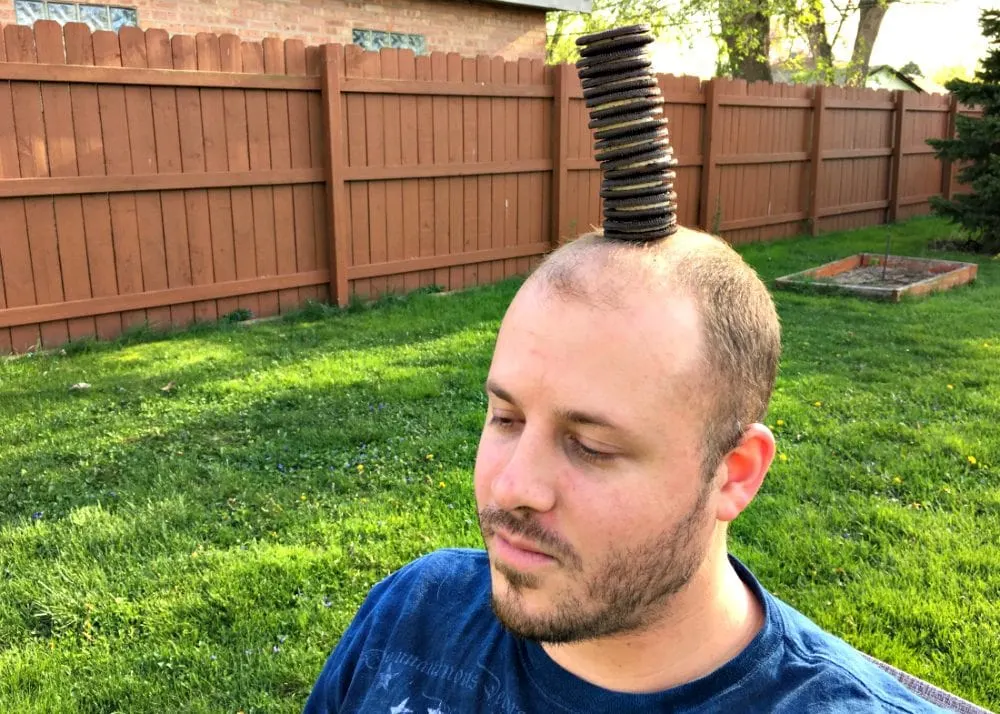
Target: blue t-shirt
x,y
426,641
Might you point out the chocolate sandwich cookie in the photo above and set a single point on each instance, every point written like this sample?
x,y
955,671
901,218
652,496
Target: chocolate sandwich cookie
x,y
633,148
633,227
626,204
657,207
632,188
628,64
616,44
614,84
637,92
636,160
645,168
627,129
625,106
645,214
608,80
650,134
624,126
615,32
636,230
616,56
643,236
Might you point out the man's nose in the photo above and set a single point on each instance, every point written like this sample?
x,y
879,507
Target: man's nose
x,y
527,479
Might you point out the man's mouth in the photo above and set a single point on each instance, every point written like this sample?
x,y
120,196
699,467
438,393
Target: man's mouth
x,y
518,552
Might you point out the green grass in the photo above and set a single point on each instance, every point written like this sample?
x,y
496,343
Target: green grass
x,y
201,549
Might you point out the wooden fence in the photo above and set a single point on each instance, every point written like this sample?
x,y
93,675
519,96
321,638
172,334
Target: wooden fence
x,y
165,179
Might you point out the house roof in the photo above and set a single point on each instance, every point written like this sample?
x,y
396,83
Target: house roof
x,y
897,74
574,5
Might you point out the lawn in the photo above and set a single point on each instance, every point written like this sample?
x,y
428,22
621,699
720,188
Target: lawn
x,y
200,548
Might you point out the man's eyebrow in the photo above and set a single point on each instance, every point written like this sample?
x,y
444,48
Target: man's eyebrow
x,y
572,416
494,388
587,419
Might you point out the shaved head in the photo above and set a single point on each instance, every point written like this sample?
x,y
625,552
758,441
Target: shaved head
x,y
741,335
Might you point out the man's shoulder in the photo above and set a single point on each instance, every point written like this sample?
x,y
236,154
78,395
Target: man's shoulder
x,y
831,668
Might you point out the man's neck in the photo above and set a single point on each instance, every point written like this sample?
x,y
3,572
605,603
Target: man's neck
x,y
708,623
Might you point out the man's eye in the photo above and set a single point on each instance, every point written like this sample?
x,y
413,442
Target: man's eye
x,y
588,454
501,422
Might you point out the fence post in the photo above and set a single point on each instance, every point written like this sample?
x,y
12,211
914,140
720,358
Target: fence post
x,y
709,152
560,149
897,154
816,156
947,183
332,100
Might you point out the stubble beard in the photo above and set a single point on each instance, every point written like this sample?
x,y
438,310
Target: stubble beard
x,y
626,593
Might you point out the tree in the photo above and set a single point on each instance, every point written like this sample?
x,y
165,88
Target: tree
x,y
821,23
911,70
741,28
872,12
977,144
743,31
943,74
563,28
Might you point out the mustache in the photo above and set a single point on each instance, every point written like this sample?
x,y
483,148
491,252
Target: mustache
x,y
492,519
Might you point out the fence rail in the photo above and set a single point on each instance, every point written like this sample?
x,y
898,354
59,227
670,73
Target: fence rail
x,y
165,179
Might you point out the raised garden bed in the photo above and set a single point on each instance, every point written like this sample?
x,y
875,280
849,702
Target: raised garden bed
x,y
869,275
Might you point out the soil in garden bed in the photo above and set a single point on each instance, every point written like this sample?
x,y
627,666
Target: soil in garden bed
x,y
895,276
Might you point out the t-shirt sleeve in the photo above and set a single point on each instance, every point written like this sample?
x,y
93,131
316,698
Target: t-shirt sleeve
x,y
342,666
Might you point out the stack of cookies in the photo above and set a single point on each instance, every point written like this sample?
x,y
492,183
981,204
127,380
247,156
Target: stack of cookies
x,y
632,145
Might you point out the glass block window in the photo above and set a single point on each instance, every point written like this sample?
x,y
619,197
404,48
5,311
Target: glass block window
x,y
97,17
374,40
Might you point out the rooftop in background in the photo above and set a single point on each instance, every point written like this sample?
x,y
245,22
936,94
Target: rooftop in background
x,y
574,5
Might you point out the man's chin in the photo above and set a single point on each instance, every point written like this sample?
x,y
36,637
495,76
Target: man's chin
x,y
516,613
507,578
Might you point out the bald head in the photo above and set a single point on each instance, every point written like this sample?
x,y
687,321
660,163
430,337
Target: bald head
x,y
741,335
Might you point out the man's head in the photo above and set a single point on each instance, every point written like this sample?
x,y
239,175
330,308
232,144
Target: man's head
x,y
622,435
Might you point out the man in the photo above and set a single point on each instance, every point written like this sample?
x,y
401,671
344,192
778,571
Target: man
x,y
623,434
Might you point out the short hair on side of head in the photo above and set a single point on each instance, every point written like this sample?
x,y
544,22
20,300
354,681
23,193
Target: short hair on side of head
x,y
741,328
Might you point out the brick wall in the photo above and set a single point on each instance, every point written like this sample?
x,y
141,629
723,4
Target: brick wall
x,y
465,26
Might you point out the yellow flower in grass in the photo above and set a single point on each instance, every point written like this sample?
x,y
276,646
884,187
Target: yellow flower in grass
x,y
897,480
817,404
782,458
780,422
951,386
972,460
361,467
441,484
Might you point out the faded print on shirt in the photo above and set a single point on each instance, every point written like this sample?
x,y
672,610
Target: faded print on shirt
x,y
404,683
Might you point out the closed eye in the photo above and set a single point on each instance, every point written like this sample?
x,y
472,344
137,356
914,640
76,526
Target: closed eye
x,y
501,421
588,454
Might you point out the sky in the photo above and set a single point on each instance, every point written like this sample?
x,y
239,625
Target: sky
x,y
932,33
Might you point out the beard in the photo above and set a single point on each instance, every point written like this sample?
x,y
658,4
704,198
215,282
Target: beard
x,y
627,591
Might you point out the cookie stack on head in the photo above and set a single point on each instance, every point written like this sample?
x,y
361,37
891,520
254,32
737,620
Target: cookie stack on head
x,y
630,132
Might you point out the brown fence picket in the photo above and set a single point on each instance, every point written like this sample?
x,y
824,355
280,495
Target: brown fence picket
x,y
220,208
69,227
39,212
409,156
234,120
262,198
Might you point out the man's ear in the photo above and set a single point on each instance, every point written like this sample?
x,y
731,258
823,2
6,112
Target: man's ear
x,y
742,471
